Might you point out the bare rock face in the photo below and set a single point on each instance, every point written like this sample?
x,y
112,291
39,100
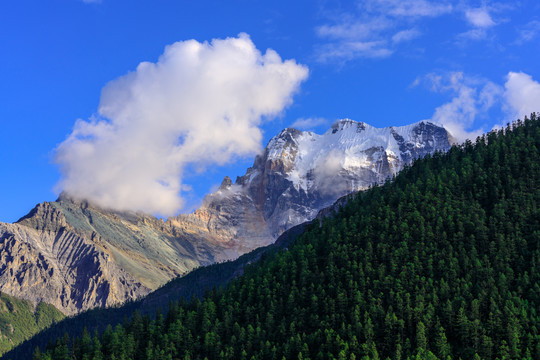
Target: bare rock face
x,y
76,257
59,267
300,173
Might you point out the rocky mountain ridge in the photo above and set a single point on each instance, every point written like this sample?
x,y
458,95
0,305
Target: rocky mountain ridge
x,y
76,256
299,173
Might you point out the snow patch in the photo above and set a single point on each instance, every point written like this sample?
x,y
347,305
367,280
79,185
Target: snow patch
x,y
354,144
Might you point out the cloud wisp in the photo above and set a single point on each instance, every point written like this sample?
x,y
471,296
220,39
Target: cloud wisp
x,y
529,32
473,97
200,104
405,35
410,8
350,38
375,28
309,123
522,95
479,18
470,98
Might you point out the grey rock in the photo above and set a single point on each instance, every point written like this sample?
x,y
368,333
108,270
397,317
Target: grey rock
x,y
299,173
76,256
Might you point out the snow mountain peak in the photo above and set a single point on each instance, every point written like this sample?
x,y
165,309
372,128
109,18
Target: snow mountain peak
x,y
301,172
117,256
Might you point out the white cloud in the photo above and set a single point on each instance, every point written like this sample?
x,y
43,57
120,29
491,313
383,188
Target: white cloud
x,y
350,30
348,50
199,104
375,28
481,21
489,96
410,8
473,34
529,32
473,97
470,97
328,179
458,115
186,187
309,123
405,35
479,18
522,95
351,39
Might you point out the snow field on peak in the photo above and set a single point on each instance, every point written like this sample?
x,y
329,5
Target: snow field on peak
x,y
342,147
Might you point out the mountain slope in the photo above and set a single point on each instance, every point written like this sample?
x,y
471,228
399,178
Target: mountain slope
x,y
194,284
77,256
20,320
441,262
300,173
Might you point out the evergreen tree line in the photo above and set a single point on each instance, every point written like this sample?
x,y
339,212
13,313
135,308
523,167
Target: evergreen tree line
x,y
441,262
193,284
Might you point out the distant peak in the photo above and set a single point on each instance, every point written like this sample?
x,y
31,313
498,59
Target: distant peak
x,y
289,132
425,123
343,124
64,197
287,135
226,183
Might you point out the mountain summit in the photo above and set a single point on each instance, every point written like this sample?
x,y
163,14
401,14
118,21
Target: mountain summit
x,y
300,172
76,256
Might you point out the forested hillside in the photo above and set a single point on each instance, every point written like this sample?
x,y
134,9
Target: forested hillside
x,y
441,262
20,320
194,284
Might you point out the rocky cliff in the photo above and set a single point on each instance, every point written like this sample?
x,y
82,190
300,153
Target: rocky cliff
x,y
300,173
76,256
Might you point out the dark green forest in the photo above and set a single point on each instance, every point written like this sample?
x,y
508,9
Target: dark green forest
x,y
193,284
441,262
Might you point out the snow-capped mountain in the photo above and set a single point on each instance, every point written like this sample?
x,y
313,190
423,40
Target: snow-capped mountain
x,y
299,173
76,256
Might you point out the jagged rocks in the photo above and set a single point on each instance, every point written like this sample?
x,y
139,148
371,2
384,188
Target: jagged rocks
x,y
300,173
62,269
76,256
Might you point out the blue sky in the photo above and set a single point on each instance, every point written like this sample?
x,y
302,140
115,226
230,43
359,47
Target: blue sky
x,y
469,65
